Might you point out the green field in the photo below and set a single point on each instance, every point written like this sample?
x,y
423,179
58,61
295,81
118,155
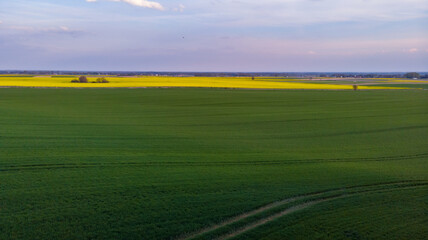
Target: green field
x,y
167,163
414,85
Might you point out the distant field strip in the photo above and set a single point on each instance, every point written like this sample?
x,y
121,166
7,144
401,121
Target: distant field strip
x,y
165,82
270,212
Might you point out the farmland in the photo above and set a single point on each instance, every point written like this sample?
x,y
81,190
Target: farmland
x,y
195,82
206,163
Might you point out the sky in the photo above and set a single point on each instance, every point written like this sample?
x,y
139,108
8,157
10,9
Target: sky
x,y
215,35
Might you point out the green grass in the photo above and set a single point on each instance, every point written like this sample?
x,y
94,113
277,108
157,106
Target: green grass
x,y
157,163
389,215
416,85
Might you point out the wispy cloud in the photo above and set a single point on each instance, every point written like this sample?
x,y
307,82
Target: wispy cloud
x,y
180,8
138,3
31,31
350,47
298,12
218,35
413,50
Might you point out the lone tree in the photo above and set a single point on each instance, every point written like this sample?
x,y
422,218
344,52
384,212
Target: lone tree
x,y
83,79
412,75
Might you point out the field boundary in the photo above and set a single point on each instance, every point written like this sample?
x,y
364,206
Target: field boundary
x,y
228,88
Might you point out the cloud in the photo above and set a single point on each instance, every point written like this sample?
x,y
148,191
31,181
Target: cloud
x,y
180,8
271,48
144,3
61,30
138,3
413,50
305,12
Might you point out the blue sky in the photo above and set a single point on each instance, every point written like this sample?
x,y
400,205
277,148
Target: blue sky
x,y
215,35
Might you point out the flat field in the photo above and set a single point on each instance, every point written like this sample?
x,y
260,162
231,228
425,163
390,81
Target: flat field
x,y
165,82
182,163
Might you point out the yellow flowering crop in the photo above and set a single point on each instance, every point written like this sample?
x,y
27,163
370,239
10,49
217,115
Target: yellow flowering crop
x,y
149,81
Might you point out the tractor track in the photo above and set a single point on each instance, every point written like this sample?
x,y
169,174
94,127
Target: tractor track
x,y
308,201
219,163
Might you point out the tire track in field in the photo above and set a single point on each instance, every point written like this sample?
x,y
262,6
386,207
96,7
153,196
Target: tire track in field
x,y
242,216
196,164
298,207
302,206
274,217
250,226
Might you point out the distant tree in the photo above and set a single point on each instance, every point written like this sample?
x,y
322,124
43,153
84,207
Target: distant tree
x,y
412,75
102,80
83,79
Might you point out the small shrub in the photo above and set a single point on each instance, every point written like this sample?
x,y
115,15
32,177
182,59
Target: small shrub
x,y
74,81
83,79
102,80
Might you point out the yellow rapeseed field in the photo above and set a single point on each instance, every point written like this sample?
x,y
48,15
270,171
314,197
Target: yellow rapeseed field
x,y
154,81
